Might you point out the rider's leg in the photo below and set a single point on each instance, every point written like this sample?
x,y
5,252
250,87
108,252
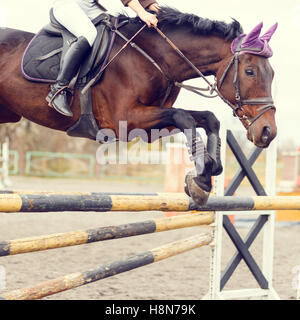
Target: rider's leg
x,y
73,18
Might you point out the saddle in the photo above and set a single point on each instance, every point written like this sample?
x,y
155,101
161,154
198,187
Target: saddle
x,y
42,57
42,60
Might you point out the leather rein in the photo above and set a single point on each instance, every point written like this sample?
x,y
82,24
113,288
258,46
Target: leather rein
x,y
238,111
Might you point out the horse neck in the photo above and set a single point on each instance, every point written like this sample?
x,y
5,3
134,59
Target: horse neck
x,y
205,52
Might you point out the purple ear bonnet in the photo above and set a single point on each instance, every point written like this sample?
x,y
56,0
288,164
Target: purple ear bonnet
x,y
256,44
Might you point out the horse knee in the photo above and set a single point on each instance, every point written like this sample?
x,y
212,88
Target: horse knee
x,y
183,119
213,122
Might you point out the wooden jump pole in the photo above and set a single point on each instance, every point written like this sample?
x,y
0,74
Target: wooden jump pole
x,y
107,270
79,237
105,202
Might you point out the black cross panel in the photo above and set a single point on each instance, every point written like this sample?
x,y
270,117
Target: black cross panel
x,y
241,245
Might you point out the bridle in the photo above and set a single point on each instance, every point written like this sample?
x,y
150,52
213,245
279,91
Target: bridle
x,y
238,111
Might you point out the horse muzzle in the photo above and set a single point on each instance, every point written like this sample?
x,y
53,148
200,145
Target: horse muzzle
x,y
261,137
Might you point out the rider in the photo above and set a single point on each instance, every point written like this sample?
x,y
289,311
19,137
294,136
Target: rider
x,y
76,16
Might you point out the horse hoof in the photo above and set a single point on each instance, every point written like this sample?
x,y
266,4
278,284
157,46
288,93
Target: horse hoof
x,y
217,168
186,189
192,189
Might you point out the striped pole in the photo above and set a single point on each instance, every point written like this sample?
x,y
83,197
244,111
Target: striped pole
x,y
74,238
104,202
107,270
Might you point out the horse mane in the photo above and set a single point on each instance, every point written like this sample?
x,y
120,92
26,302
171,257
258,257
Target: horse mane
x,y
170,17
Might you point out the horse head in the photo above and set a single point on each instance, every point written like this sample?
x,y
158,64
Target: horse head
x,y
252,75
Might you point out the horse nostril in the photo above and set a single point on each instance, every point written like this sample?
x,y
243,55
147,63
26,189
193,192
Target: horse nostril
x,y
266,133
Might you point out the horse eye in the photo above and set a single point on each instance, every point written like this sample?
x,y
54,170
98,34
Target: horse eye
x,y
249,72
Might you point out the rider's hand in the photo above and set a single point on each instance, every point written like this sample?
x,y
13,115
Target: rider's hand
x,y
149,18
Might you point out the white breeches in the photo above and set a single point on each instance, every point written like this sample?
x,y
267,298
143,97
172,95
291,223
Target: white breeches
x,y
76,19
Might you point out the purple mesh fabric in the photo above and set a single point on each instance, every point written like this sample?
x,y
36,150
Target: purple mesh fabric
x,y
252,40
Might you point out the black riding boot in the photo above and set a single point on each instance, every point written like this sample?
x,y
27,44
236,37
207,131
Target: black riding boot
x,y
57,97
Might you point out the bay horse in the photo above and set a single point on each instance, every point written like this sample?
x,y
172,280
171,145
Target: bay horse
x,y
133,90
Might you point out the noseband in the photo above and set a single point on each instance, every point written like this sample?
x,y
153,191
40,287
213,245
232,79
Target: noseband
x,y
238,111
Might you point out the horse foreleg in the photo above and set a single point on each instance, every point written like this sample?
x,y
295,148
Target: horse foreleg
x,y
198,183
208,121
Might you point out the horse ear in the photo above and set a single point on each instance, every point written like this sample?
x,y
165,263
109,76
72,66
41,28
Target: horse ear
x,y
253,35
268,35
